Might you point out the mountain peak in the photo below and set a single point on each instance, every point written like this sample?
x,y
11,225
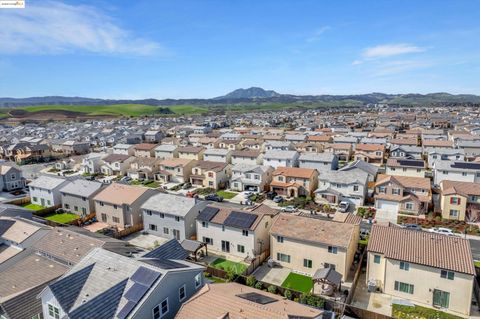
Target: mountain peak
x,y
252,92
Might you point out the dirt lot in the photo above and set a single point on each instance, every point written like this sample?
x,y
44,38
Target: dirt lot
x,y
50,115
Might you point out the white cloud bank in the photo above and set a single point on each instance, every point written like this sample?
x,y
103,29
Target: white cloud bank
x,y
388,50
51,27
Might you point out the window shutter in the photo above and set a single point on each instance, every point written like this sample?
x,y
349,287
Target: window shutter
x,y
458,201
451,200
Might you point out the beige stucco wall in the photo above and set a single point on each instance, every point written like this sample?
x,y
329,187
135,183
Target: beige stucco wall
x,y
446,206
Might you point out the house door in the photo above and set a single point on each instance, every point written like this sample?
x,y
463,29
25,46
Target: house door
x,y
176,234
225,246
441,298
42,200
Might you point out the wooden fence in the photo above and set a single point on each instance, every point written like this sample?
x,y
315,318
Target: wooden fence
x,y
127,231
19,201
358,271
363,313
257,262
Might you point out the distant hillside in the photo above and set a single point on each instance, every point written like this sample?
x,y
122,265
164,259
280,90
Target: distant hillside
x,y
256,96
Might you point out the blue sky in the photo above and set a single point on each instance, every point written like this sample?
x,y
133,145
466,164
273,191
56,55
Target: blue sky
x,y
201,48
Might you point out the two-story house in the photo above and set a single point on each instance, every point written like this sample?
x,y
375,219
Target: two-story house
x,y
217,155
456,171
161,218
405,167
124,149
77,196
370,153
191,152
281,158
144,150
11,178
176,170
428,269
116,164
444,154
91,163
45,190
165,151
406,152
210,174
251,157
337,186
460,200
319,161
294,181
247,177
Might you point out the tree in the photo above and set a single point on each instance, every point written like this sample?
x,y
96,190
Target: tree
x,y
251,281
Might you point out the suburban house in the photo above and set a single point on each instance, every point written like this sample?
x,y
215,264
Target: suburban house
x,y
217,155
337,186
153,136
91,163
229,144
342,150
403,194
460,200
124,149
406,152
105,284
279,146
191,152
210,174
444,154
235,233
75,148
247,177
471,148
398,257
294,181
405,167
144,168
319,161
119,205
370,153
305,244
144,150
277,158
165,151
370,169
233,300
178,221
11,178
45,190
116,164
77,196
456,171
177,170
252,157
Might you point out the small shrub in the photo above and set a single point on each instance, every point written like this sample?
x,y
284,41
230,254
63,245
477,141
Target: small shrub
x,y
288,294
258,285
230,276
272,289
251,281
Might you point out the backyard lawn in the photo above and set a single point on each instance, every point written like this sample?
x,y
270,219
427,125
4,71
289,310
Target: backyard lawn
x,y
226,195
227,265
417,312
33,206
298,282
61,218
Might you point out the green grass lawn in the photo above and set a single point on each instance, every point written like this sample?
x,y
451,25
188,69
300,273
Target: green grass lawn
x,y
226,195
477,264
417,312
298,282
61,218
152,184
227,265
33,206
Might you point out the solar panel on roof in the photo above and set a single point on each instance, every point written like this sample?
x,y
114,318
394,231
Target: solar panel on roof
x,y
467,165
122,314
240,220
136,292
257,298
411,163
207,213
145,276
164,263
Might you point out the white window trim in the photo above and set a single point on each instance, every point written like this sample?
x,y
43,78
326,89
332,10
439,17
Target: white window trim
x,y
160,308
185,291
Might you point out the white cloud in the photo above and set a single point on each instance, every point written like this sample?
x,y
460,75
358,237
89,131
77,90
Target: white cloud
x,y
50,27
399,66
317,34
388,50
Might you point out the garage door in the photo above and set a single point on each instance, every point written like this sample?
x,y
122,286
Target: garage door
x,y
388,206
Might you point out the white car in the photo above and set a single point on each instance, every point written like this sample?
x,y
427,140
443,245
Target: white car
x,y
343,207
441,230
289,209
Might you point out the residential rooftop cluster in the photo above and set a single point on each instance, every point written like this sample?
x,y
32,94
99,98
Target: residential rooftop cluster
x,y
302,214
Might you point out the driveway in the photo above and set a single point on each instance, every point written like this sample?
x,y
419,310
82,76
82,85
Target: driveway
x,y
275,276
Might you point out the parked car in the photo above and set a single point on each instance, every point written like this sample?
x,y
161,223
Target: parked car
x,y
412,226
271,195
214,198
187,186
343,207
278,199
126,179
441,230
289,209
191,194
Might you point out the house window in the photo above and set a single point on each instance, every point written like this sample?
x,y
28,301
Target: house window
x,y
53,312
241,249
101,203
418,170
152,227
148,212
182,293
332,249
455,200
409,206
177,219
331,266
396,191
280,178
48,202
404,265
404,169
162,215
116,220
208,240
283,257
376,259
165,230
464,173
447,274
454,213
104,217
355,188
381,189
66,206
198,280
210,174
75,208
307,263
160,310
403,287
210,183
115,206
204,224
280,239
245,232
35,199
